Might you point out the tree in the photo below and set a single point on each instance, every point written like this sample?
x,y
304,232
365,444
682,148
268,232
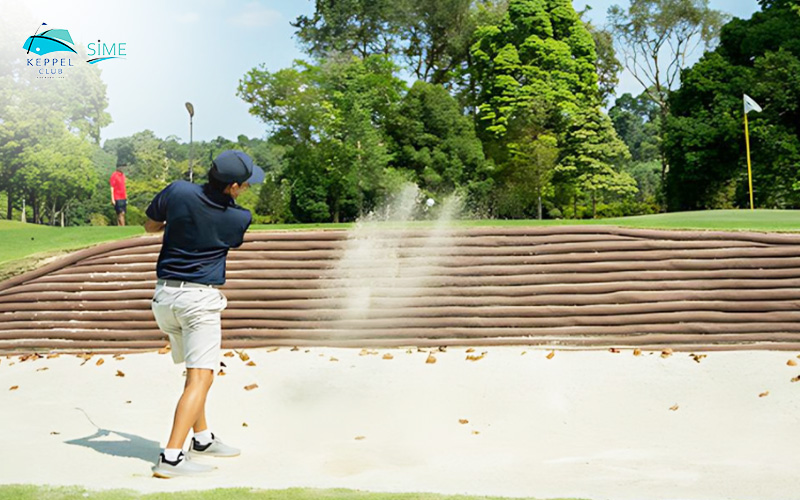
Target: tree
x,y
608,66
637,122
330,118
761,57
438,34
433,139
536,71
539,60
359,27
592,149
82,97
58,171
533,164
23,127
34,112
431,37
656,37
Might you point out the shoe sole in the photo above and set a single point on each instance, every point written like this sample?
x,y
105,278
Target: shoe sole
x,y
167,475
198,454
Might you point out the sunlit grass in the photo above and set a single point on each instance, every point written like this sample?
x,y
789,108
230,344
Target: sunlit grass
x,y
31,492
739,220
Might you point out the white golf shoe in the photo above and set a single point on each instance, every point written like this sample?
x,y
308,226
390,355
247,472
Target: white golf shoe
x,y
180,467
215,448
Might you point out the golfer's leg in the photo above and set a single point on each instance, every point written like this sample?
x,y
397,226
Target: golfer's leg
x,y
202,333
200,424
191,406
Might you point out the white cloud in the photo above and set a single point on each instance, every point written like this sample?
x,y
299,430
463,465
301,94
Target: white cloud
x,y
256,15
189,18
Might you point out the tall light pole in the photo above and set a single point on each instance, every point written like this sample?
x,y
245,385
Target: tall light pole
x,y
190,109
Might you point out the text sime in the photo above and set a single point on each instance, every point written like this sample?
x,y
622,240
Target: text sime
x,y
103,49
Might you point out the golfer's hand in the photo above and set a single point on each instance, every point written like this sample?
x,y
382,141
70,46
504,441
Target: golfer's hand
x,y
153,226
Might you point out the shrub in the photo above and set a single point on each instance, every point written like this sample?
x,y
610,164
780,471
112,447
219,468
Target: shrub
x,y
134,216
97,219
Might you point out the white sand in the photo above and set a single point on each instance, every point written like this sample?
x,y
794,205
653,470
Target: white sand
x,y
588,424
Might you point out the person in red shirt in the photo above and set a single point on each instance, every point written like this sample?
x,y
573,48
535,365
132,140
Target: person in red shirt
x,y
119,197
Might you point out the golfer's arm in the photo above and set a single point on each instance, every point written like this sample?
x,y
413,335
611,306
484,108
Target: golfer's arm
x,y
112,196
152,226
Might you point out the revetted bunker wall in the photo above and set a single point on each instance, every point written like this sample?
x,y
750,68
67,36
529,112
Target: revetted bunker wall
x,y
554,286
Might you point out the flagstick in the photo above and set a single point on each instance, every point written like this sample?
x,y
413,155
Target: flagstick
x,y
749,171
34,37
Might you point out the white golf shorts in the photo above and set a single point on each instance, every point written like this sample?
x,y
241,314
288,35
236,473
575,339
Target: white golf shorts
x,y
190,316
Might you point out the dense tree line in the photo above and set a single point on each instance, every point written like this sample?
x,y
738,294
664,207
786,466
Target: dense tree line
x,y
502,102
505,110
760,57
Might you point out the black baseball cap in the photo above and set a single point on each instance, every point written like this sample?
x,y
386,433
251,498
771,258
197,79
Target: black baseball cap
x,y
233,166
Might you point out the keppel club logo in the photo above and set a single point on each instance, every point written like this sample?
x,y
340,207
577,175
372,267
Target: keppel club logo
x,y
59,40
49,41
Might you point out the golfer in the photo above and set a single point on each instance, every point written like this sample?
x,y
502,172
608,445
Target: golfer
x,y
200,223
119,196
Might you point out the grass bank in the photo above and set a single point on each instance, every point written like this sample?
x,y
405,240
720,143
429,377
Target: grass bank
x,y
30,492
734,220
25,246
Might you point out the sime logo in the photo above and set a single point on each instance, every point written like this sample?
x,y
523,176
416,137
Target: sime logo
x,y
104,51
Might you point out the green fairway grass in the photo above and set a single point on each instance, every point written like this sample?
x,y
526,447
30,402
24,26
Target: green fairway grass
x,y
19,240
23,246
27,492
735,220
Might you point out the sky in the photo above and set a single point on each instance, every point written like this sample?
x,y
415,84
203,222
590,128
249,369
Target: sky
x,y
198,50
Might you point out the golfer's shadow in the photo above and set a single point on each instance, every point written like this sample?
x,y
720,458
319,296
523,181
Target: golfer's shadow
x,y
120,444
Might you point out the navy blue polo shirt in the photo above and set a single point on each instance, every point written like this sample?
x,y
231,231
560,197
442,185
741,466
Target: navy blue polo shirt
x,y
202,225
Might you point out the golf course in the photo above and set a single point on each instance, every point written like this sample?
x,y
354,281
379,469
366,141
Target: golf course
x,y
400,250
281,355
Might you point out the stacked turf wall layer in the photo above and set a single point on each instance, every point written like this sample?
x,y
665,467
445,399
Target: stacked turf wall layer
x,y
564,286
